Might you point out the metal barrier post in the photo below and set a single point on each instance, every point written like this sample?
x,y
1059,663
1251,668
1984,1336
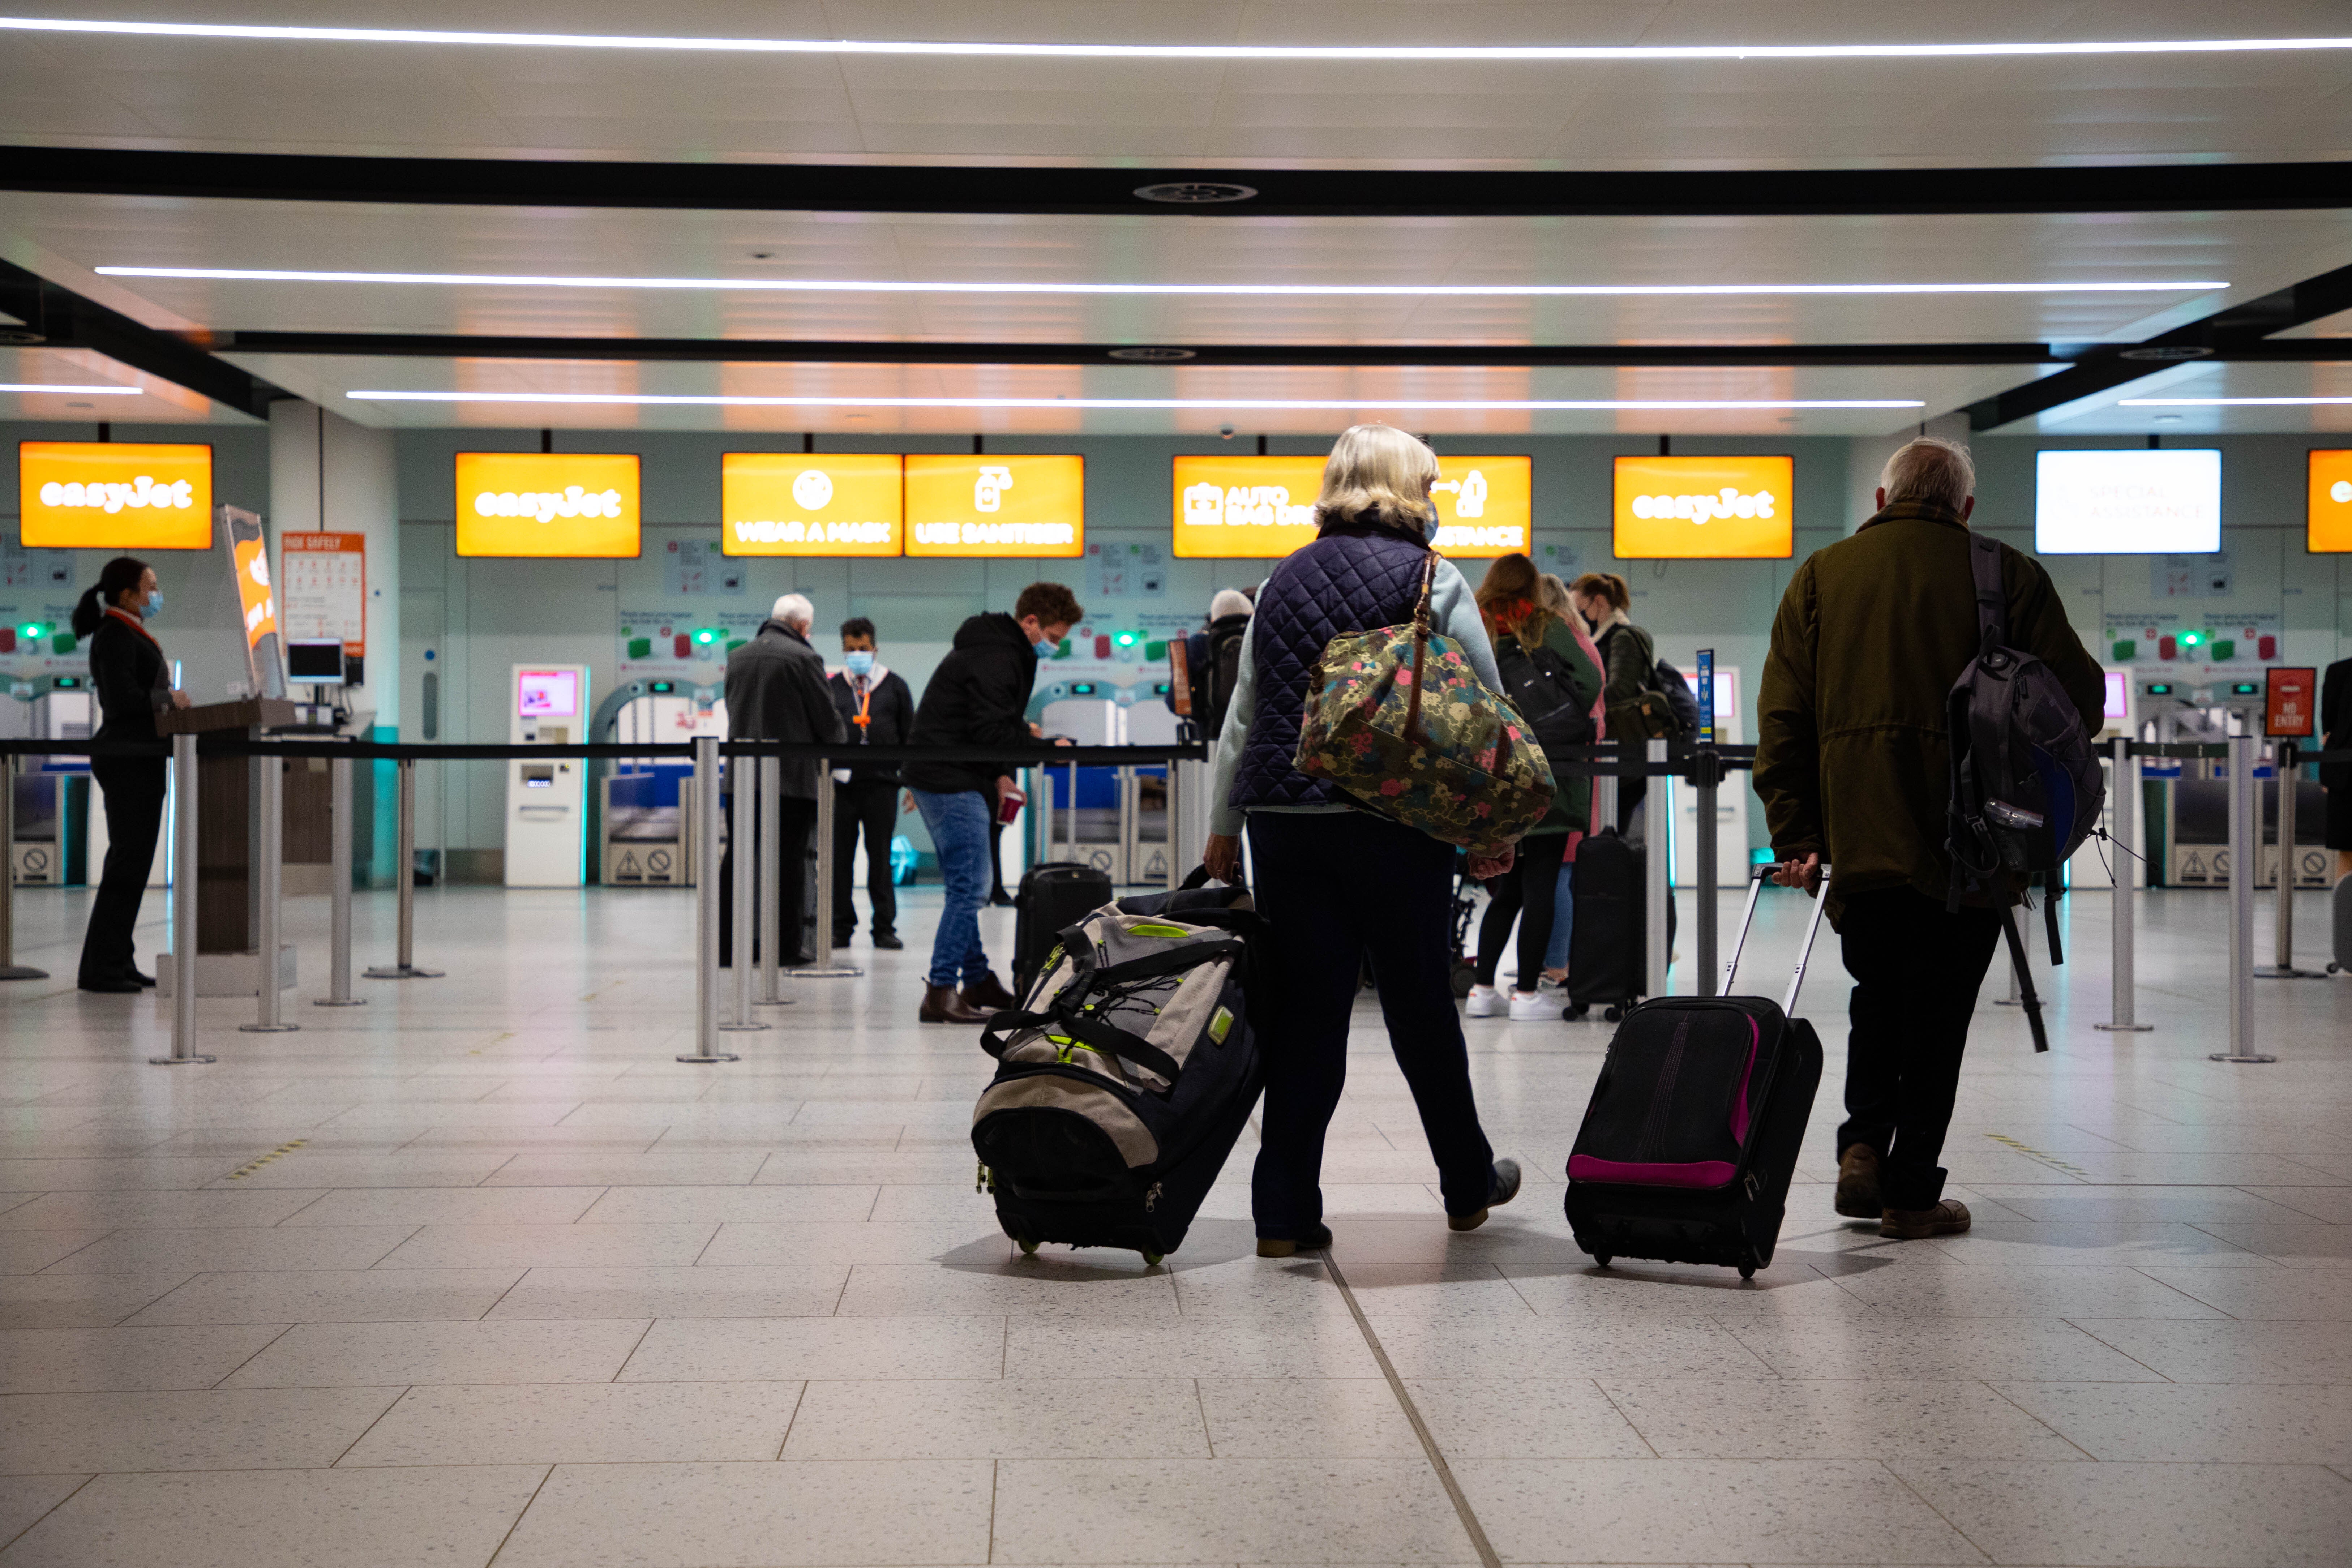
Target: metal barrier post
x,y
9,968
2245,848
1657,825
705,905
824,968
268,871
184,907
2282,967
743,837
404,966
1131,814
771,884
2126,837
1704,781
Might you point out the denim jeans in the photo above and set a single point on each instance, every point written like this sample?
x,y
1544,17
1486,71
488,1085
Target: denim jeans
x,y
1563,918
959,824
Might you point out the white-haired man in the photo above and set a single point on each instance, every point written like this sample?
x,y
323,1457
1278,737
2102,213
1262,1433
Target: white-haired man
x,y
776,691
1852,765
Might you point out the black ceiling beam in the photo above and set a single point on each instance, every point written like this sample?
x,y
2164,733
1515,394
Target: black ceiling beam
x,y
2238,334
1280,193
58,318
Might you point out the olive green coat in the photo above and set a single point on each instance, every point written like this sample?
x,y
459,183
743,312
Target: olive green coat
x,y
1851,760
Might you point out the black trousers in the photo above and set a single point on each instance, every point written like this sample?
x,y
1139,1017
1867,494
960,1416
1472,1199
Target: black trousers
x,y
796,831
1336,888
1916,971
133,790
1525,894
871,805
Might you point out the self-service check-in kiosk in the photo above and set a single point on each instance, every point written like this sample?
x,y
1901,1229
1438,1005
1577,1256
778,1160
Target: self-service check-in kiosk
x,y
547,801
645,805
2189,797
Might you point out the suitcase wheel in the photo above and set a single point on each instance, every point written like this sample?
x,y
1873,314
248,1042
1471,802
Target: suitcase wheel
x,y
1747,1270
1150,1259
1575,1012
1466,975
1600,1259
1612,1013
1028,1248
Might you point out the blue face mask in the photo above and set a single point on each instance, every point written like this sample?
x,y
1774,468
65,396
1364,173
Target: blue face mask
x,y
1428,529
154,606
1045,650
859,660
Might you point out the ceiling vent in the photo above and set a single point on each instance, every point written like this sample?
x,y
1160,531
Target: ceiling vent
x,y
1153,355
1195,192
2164,354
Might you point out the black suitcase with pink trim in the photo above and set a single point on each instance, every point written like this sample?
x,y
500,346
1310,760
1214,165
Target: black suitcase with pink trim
x,y
1695,1124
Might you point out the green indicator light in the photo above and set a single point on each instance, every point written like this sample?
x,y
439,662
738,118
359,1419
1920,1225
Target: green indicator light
x,y
705,636
32,631
2190,639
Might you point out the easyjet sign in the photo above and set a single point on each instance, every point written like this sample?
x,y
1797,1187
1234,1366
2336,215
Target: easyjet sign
x,y
115,495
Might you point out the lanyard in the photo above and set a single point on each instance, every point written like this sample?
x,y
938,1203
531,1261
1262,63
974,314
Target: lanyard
x,y
864,714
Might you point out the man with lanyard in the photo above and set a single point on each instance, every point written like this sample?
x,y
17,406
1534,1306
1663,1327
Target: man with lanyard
x,y
878,710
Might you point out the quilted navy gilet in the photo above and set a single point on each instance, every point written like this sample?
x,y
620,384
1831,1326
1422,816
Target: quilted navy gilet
x,y
1353,582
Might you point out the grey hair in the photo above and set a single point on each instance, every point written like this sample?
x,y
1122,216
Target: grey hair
x,y
794,610
1931,472
1230,602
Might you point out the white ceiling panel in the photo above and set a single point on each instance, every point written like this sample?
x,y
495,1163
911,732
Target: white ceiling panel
x,y
155,401
2107,414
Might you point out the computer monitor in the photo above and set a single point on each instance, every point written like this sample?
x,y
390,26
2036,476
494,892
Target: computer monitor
x,y
315,661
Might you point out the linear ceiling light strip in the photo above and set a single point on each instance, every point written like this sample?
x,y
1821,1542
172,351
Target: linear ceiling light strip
x,y
1520,53
35,387
2226,402
848,401
1380,291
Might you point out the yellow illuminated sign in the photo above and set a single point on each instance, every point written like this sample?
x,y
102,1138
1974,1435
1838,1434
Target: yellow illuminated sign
x,y
2327,520
570,504
792,503
1709,509
1485,506
1253,506
114,495
1012,505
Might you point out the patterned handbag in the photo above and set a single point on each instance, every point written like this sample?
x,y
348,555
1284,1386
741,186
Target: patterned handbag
x,y
1397,717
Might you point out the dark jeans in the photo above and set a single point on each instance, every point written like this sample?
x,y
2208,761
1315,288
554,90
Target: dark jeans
x,y
796,827
1525,893
1336,888
133,790
1916,971
871,805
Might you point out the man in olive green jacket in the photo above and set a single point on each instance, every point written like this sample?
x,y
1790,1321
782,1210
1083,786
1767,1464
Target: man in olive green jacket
x,y
1854,769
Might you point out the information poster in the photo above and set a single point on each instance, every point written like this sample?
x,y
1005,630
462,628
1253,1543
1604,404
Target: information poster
x,y
1018,506
322,579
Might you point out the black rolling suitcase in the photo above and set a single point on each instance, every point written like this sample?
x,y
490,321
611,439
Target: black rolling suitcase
x,y
1607,951
1127,1076
1053,895
1695,1124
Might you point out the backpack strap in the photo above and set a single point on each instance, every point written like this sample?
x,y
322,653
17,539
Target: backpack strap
x,y
1992,596
2053,890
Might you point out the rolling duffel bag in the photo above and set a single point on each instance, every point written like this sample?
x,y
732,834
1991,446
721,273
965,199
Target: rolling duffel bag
x,y
1127,1076
1693,1134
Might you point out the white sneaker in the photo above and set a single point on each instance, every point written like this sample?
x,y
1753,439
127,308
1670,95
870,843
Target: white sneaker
x,y
1484,1002
1527,1005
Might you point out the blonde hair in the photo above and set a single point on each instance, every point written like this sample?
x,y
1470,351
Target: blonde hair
x,y
1555,596
1931,472
1605,585
1377,474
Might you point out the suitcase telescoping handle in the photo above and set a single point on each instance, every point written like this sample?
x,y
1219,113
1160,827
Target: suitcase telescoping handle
x,y
1748,918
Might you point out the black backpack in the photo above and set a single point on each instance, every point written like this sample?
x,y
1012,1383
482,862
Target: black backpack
x,y
1539,685
1679,699
1221,672
2027,788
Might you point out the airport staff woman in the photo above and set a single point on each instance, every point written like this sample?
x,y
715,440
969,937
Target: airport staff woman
x,y
132,681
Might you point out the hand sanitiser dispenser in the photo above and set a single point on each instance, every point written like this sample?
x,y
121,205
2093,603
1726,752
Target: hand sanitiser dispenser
x,y
547,815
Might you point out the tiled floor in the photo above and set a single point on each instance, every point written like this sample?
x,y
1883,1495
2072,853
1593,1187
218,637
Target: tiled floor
x,y
524,1288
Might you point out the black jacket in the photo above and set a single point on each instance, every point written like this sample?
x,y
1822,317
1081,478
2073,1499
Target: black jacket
x,y
775,692
132,681
2336,721
889,719
979,696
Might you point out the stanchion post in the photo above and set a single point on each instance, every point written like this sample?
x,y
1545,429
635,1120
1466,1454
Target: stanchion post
x,y
404,965
1704,780
824,968
771,882
2123,838
743,836
2282,967
338,827
1657,824
184,907
705,905
9,968
268,863
2245,850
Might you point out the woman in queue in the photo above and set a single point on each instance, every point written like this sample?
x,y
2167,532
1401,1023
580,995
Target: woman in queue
x,y
1337,882
1563,906
1510,602
132,682
1630,657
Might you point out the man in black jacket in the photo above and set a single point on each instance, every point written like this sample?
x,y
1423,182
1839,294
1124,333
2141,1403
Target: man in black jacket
x,y
979,696
775,692
878,710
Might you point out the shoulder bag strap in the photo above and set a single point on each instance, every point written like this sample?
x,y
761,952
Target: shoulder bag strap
x,y
1413,733
1992,597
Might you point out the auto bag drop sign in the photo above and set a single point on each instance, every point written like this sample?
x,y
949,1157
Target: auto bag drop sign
x,y
115,495
796,503
1248,507
548,504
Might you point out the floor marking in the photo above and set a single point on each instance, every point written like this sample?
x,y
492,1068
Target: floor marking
x,y
2052,1161
1477,1531
252,1166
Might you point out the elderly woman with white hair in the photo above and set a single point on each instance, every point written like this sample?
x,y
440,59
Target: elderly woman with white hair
x,y
1338,883
776,691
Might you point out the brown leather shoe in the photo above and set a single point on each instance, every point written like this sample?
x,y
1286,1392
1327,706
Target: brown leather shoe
x,y
1858,1185
942,1005
1947,1218
988,994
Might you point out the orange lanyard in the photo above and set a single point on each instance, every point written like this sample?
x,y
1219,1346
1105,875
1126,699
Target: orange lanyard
x,y
865,704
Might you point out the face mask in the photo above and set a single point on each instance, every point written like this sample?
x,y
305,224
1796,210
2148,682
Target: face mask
x,y
1045,650
154,606
860,661
1428,529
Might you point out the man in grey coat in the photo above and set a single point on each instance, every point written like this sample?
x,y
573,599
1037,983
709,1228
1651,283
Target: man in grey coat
x,y
775,692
